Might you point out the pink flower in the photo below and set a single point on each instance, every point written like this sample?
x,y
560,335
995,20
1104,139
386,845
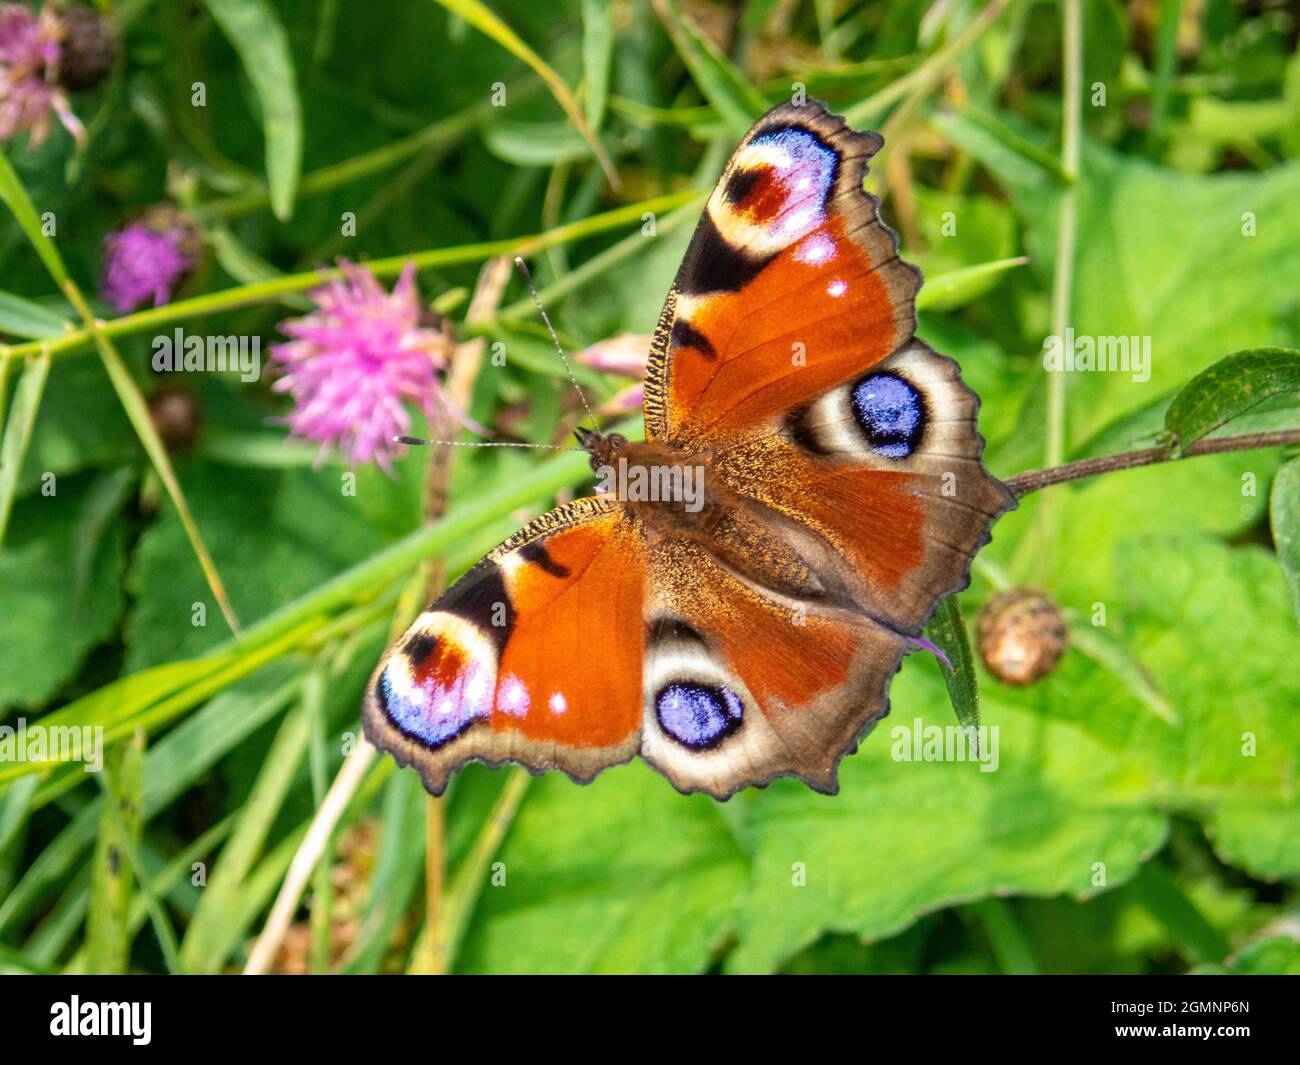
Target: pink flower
x,y
143,264
624,354
30,50
354,362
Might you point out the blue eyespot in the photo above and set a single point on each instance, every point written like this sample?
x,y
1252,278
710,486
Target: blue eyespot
x,y
890,413
696,715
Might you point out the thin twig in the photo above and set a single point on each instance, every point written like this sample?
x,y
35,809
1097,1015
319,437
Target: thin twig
x,y
1032,480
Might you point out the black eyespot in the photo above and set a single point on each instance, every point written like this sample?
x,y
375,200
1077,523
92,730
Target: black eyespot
x,y
740,184
890,412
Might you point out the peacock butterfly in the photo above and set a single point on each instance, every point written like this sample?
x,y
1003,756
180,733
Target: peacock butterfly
x,y
748,629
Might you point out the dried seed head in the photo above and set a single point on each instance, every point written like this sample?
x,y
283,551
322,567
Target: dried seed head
x,y
89,47
1022,636
177,416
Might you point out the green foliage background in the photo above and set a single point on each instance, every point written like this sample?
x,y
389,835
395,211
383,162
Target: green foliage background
x,y
1126,829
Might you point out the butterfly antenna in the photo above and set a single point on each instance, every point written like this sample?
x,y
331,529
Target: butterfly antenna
x,y
568,368
419,441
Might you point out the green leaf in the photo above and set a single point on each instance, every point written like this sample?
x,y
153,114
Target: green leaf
x,y
1284,511
534,143
15,197
254,29
1274,956
957,288
905,837
32,321
654,891
174,764
597,54
974,126
112,882
1169,904
482,18
948,631
1228,388
1198,264
718,79
214,931
18,433
62,595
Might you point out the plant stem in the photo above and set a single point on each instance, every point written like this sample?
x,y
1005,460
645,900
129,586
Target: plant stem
x,y
1032,480
1067,219
262,291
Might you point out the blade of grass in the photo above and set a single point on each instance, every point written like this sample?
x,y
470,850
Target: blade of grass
x,y
112,876
15,197
486,21
255,31
597,53
18,433
322,895
171,766
717,77
470,875
203,948
137,410
274,288
1166,901
22,318
948,631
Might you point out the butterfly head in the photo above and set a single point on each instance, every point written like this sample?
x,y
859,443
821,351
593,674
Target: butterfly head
x,y
603,447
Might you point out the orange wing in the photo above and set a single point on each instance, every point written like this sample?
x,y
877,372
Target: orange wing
x,y
534,656
785,353
791,284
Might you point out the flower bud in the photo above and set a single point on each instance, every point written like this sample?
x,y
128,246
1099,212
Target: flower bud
x,y
1021,635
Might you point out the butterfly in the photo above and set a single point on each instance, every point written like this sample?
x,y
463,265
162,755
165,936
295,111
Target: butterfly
x,y
810,485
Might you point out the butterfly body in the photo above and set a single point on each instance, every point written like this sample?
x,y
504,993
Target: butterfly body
x,y
733,605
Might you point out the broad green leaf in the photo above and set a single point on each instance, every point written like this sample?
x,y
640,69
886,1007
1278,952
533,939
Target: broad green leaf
x,y
904,837
81,426
1228,388
948,630
62,595
1284,511
655,890
1274,956
254,29
717,78
1193,265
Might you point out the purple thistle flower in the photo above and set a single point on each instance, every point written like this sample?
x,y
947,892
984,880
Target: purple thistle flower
x,y
141,264
30,50
354,362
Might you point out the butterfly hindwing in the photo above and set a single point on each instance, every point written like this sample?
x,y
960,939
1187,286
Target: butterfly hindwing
x,y
746,683
534,656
